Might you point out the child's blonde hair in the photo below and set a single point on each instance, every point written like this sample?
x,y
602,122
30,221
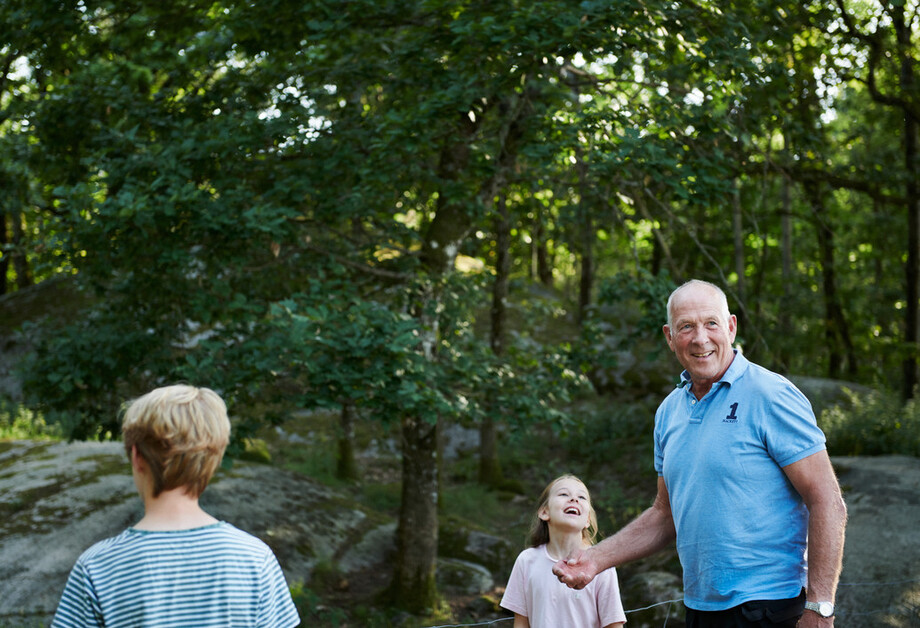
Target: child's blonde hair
x,y
539,529
181,432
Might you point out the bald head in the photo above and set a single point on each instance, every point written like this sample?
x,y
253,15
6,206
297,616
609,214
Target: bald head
x,y
695,285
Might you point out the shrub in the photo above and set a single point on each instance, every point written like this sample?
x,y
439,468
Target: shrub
x,y
17,422
872,424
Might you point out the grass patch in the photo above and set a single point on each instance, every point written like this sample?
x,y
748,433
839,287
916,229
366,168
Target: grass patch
x,y
474,504
381,497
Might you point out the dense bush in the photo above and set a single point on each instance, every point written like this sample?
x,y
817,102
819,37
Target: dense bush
x,y
872,424
17,422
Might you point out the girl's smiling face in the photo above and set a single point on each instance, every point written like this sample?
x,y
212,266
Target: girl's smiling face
x,y
569,505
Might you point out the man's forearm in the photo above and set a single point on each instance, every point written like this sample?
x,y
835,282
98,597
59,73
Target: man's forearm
x,y
826,531
648,533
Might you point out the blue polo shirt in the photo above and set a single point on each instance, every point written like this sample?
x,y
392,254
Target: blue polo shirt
x,y
741,526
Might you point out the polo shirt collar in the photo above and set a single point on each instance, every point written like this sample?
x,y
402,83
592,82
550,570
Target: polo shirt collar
x,y
735,370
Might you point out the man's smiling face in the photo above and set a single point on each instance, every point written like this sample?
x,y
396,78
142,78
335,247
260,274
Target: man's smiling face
x,y
701,333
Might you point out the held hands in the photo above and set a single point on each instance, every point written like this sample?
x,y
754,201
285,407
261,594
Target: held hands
x,y
577,570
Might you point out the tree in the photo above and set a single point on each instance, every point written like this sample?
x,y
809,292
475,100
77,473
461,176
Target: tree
x,y
273,196
889,76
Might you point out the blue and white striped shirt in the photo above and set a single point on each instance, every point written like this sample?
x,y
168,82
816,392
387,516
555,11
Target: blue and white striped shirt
x,y
215,575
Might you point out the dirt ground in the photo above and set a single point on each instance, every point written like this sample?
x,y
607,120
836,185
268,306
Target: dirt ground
x,y
57,498
880,584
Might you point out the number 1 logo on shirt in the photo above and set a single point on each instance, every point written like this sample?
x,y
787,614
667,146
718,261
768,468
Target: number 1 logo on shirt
x,y
731,418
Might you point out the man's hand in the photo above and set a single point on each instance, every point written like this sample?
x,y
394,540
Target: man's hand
x,y
811,619
577,570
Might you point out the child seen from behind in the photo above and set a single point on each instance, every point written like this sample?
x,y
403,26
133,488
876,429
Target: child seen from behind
x,y
564,521
178,566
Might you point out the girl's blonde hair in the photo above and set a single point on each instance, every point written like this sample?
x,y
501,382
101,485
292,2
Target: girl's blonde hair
x,y
181,432
539,529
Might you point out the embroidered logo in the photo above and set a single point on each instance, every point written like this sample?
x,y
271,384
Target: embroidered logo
x,y
732,418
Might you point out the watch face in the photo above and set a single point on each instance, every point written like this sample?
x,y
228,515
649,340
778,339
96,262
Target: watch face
x,y
824,609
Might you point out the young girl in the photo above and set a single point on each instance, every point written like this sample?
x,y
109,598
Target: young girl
x,y
564,521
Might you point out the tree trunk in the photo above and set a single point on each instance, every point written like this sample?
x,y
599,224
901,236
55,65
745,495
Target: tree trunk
x,y
586,280
912,279
346,467
414,586
4,256
837,332
738,239
784,323
907,81
20,261
489,468
498,313
543,266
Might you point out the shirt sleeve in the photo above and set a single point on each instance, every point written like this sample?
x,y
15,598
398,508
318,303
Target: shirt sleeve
x,y
276,608
514,598
609,604
79,606
792,433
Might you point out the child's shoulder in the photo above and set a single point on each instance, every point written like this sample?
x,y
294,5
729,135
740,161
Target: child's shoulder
x,y
104,547
236,535
533,553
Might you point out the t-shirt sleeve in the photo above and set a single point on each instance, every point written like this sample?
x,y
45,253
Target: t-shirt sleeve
x,y
79,606
515,599
276,608
609,604
659,453
792,433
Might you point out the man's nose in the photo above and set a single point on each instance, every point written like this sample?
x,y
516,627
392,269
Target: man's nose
x,y
699,334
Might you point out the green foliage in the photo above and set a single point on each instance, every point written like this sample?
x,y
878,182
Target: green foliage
x,y
640,292
266,198
18,422
620,346
873,424
80,374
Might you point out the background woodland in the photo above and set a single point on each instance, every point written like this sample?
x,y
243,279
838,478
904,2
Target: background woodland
x,y
423,214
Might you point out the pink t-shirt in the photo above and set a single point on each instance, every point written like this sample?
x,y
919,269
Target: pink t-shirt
x,y
533,591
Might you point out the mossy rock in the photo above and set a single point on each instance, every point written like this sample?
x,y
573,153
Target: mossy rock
x,y
459,542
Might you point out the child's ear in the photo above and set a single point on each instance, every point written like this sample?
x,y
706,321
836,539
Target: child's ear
x,y
137,461
544,514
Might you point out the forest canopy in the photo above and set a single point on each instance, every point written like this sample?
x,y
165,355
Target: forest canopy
x,y
327,203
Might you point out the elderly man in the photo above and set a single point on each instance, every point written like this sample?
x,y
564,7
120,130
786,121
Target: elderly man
x,y
744,484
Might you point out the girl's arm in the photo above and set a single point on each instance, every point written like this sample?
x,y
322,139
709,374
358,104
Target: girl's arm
x,y
618,624
522,622
651,531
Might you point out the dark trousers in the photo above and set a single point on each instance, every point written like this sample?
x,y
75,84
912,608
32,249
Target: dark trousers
x,y
753,614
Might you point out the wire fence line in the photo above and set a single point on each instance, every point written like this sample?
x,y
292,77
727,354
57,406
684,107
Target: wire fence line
x,y
841,612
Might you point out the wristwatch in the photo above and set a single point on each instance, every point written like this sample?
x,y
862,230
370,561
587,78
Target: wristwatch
x,y
824,609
